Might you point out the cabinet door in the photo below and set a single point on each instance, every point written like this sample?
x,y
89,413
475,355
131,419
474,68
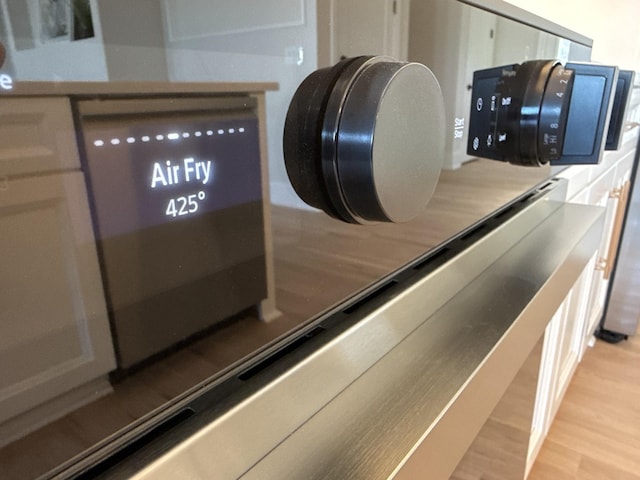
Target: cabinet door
x,y
560,356
54,332
571,333
599,193
36,135
546,380
366,27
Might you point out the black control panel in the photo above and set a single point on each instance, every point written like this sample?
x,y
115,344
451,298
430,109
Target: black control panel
x,y
541,112
620,103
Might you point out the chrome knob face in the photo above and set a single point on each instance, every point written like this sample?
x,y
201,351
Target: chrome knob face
x,y
364,140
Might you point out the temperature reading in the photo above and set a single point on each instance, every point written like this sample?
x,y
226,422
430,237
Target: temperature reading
x,y
181,206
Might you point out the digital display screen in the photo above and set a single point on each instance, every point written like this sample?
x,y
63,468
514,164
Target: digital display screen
x,y
146,172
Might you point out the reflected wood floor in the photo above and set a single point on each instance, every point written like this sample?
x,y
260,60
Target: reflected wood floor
x,y
596,433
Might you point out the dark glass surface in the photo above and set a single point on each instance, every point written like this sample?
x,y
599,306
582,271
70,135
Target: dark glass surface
x,y
135,277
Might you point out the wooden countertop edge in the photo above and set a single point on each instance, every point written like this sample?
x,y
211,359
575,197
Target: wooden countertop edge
x,y
138,89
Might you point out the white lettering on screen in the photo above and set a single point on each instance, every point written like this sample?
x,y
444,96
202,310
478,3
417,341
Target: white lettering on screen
x,y
191,170
188,171
6,82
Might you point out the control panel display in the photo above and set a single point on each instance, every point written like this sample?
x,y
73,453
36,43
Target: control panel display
x,y
152,172
541,112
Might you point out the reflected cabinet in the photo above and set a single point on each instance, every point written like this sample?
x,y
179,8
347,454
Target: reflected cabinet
x,y
54,334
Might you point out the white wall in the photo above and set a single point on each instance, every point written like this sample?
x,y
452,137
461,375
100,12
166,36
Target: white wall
x,y
613,25
132,34
128,44
64,60
255,53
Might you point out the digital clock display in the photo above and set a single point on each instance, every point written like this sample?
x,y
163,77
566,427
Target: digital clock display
x,y
149,172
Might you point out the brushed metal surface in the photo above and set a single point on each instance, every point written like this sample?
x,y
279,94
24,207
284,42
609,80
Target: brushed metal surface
x,y
391,141
500,450
413,382
415,412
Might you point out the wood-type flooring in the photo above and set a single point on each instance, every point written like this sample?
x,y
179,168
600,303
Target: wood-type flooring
x,y
596,432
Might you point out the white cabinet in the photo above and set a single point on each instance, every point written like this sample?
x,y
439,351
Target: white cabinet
x,y
609,191
366,27
54,333
562,351
54,329
600,193
36,136
604,185
572,327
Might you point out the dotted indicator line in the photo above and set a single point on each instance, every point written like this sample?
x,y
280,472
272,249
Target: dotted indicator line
x,y
173,136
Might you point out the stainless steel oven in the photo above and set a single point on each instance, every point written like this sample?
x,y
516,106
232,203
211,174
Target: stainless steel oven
x,y
284,239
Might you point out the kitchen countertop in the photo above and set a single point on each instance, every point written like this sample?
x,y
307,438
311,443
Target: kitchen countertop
x,y
76,89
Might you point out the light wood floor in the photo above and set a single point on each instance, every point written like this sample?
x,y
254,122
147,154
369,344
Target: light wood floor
x,y
596,433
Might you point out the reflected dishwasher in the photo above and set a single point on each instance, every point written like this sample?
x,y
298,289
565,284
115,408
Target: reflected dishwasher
x,y
175,190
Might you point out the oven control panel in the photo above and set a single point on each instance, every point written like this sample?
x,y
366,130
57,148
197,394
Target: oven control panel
x,y
541,112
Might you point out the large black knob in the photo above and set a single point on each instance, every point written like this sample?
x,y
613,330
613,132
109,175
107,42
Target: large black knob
x,y
364,140
532,107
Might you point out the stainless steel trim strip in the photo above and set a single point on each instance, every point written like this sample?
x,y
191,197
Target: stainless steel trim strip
x,y
149,106
361,404
309,380
417,410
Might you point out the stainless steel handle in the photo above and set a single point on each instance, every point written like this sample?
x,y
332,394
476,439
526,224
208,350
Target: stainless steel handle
x,y
417,376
